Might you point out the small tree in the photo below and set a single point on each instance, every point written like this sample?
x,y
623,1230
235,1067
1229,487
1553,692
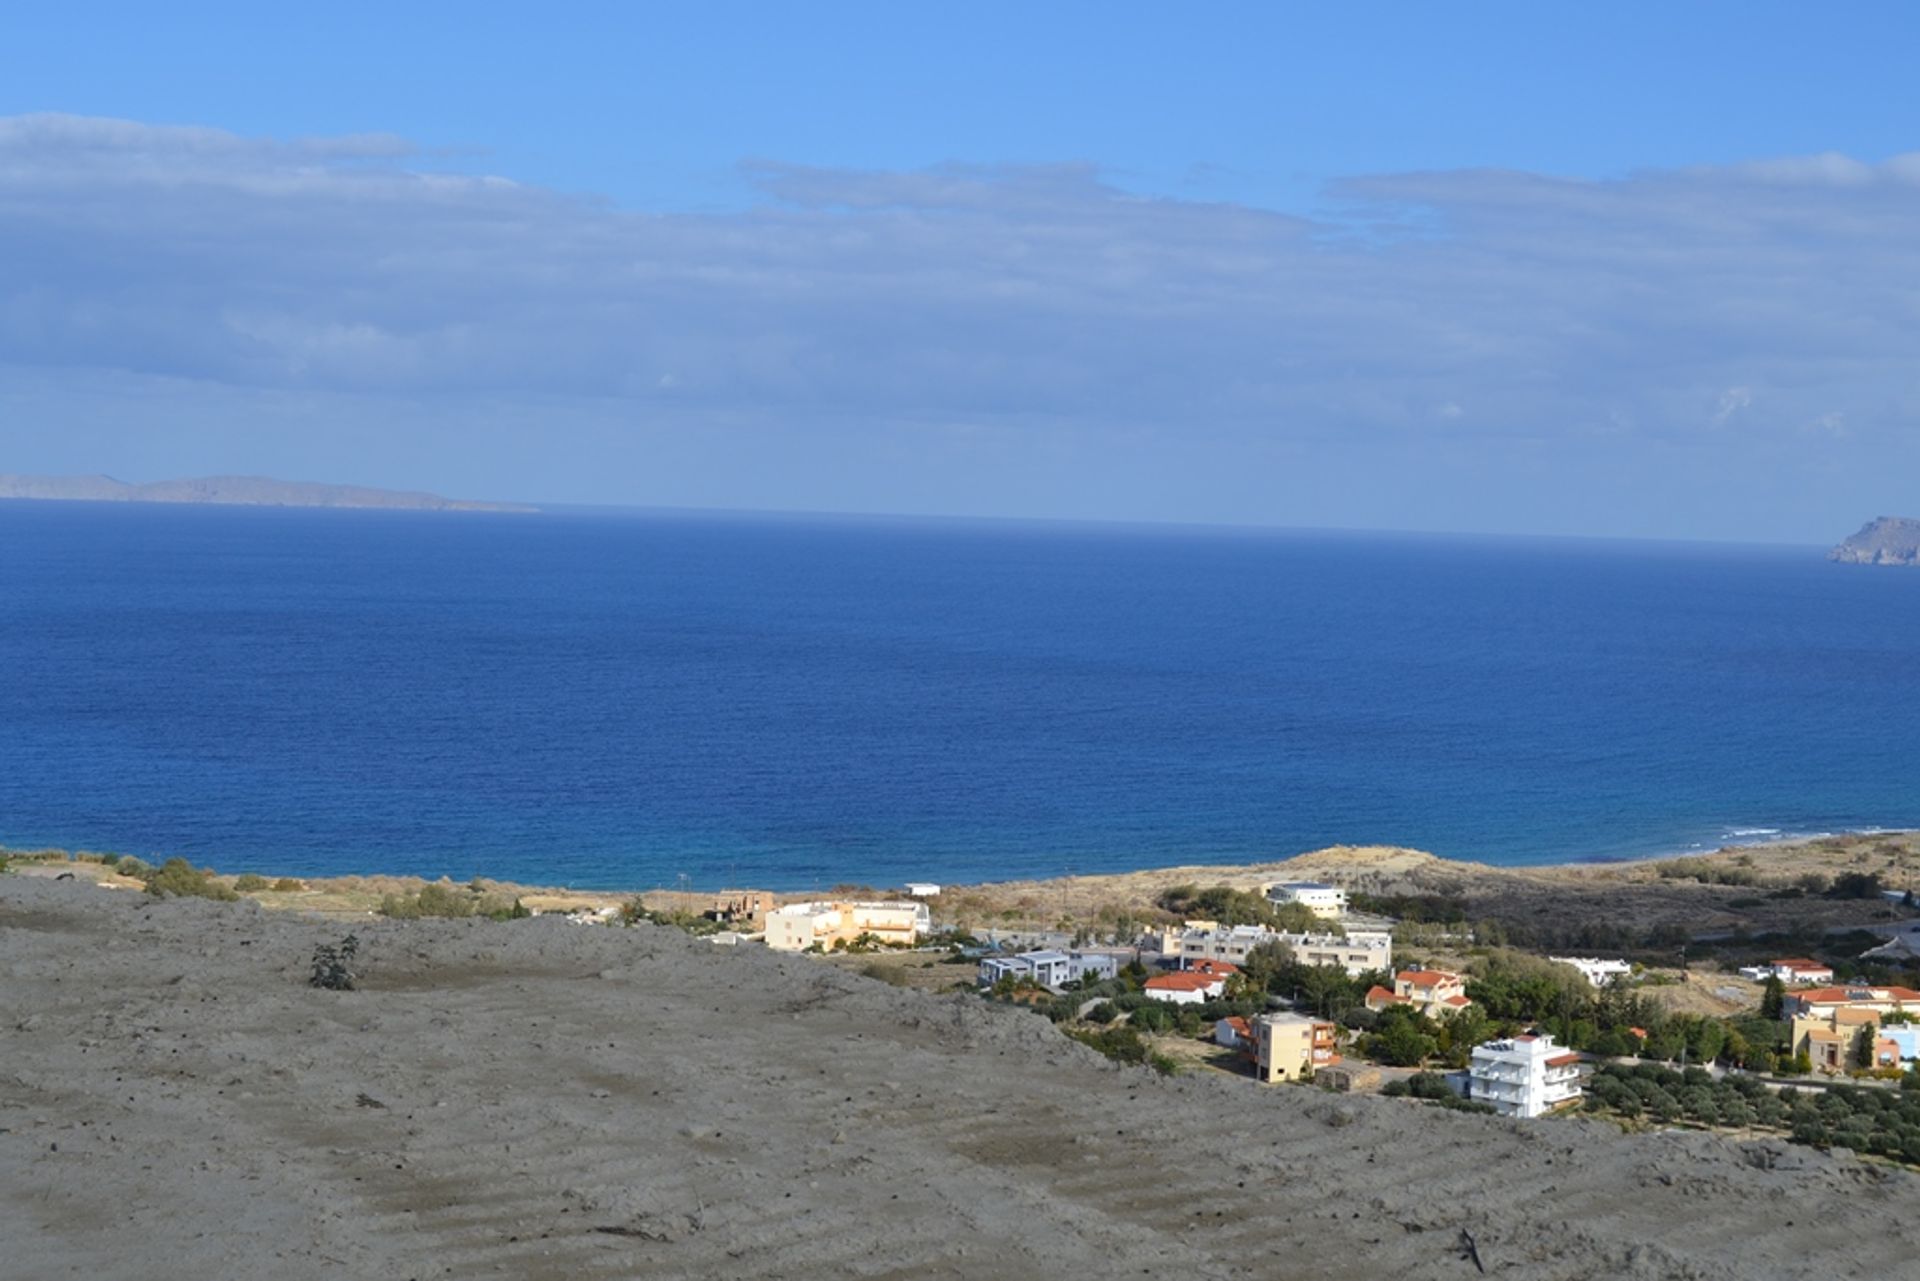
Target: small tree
x,y
333,965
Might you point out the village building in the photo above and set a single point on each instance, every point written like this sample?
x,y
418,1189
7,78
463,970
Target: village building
x,y
1235,1033
1594,970
1357,952
1790,970
799,926
1292,1047
1185,988
1218,969
1435,993
1823,1001
1323,900
1051,970
741,907
1348,1075
1524,1076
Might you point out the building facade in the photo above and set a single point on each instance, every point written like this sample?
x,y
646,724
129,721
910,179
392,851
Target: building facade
x,y
799,926
1292,1047
1437,994
1356,952
1052,970
1323,900
1524,1076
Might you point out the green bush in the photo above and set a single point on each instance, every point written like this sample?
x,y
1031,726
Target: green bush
x,y
1124,1045
177,878
442,901
248,883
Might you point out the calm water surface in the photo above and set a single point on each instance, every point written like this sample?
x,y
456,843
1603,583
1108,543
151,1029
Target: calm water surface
x,y
624,700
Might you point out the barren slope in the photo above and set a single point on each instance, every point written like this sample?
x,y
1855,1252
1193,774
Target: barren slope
x,y
541,1100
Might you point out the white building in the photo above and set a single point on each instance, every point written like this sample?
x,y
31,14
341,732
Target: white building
x,y
1594,970
1323,900
1790,970
1357,952
1526,1076
799,926
1052,970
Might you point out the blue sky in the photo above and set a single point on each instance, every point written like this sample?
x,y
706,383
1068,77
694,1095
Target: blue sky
x,y
1643,269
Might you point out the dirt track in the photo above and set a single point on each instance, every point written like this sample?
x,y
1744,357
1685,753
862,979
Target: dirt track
x,y
535,1099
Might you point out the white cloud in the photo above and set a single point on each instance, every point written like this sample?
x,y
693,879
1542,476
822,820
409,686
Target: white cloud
x,y
1044,302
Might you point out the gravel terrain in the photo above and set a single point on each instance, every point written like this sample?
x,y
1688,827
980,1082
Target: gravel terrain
x,y
542,1100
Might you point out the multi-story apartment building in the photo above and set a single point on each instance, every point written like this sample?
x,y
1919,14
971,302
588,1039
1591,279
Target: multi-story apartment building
x,y
1289,1047
1356,952
1524,1076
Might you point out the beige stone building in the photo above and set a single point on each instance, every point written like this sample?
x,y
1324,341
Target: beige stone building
x,y
799,926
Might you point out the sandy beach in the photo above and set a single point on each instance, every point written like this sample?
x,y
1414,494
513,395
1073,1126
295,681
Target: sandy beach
x,y
538,1099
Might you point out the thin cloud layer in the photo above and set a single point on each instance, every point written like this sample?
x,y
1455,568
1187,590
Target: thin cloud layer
x,y
1044,311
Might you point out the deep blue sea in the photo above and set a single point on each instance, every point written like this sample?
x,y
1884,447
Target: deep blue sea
x,y
626,699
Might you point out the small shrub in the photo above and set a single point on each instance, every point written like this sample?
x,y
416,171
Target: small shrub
x,y
177,878
442,901
248,883
333,965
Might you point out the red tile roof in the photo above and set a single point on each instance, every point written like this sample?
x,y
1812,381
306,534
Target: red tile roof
x,y
1426,978
1183,982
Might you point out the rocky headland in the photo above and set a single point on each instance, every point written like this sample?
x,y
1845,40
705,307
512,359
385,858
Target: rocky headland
x,y
1888,540
235,491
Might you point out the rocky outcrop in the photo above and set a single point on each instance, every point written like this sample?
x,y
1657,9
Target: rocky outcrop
x,y
238,491
1890,540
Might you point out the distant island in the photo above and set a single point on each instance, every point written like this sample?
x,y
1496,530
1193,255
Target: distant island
x,y
1890,540
236,491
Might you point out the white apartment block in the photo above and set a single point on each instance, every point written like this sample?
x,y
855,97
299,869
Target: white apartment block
x,y
1526,1076
1357,952
1323,900
1052,970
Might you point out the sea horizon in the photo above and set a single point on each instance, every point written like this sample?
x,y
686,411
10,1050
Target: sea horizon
x,y
794,700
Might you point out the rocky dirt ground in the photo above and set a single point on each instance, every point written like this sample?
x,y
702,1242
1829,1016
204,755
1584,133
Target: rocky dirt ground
x,y
542,1100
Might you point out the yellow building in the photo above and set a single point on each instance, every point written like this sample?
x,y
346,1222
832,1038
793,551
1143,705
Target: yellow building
x,y
799,926
1291,1047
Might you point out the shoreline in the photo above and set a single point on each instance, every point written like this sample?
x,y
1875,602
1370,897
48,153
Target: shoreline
x,y
1735,839
1546,890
